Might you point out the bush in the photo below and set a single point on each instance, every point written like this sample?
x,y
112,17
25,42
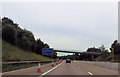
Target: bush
x,y
9,34
25,39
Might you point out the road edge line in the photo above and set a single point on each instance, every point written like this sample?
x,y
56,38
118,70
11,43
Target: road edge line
x,y
50,70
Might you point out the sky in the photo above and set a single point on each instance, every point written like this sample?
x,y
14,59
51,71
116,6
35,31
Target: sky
x,y
67,25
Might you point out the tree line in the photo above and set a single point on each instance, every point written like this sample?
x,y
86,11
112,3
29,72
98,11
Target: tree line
x,y
105,54
115,47
22,38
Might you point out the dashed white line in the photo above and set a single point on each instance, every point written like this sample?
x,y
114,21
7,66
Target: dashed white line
x,y
90,73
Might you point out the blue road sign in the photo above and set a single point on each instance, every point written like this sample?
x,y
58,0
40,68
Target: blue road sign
x,y
47,51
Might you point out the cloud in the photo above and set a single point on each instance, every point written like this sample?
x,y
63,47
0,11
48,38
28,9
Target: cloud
x,y
74,26
63,41
59,0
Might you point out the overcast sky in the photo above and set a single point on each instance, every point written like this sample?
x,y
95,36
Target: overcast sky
x,y
68,26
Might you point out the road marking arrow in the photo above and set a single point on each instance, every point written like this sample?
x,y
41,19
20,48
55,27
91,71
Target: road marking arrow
x,y
90,73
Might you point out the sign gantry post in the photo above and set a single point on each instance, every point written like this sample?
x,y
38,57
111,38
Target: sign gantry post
x,y
113,53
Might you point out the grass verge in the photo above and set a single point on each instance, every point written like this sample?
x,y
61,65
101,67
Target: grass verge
x,y
11,67
13,53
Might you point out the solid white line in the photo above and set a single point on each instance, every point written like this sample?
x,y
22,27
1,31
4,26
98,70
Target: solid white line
x,y
90,73
50,70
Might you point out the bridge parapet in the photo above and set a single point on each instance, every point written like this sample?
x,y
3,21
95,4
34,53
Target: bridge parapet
x,y
90,53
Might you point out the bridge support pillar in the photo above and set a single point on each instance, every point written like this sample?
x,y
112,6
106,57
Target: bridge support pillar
x,y
92,57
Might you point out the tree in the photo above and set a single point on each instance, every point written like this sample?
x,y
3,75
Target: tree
x,y
116,47
25,39
9,34
39,46
102,48
46,45
93,50
6,20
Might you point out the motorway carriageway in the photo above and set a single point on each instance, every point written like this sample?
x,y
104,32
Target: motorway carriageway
x,y
76,68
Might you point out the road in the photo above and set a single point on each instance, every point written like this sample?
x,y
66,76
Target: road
x,y
81,68
77,68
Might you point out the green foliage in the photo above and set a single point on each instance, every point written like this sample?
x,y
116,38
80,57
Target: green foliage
x,y
9,34
116,47
11,67
25,39
46,45
13,53
22,38
105,56
39,46
93,50
6,20
109,56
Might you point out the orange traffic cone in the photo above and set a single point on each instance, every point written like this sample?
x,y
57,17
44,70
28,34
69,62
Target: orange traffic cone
x,y
39,70
56,63
53,64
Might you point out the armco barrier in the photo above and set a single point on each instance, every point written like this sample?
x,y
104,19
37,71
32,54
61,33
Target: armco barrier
x,y
24,62
6,66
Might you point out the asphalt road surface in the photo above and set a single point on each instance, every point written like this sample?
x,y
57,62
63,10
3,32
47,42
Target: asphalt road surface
x,y
81,68
77,68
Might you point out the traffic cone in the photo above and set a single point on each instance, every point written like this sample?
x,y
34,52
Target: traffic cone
x,y
53,64
39,70
56,63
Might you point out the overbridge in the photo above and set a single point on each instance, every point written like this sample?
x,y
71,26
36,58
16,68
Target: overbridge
x,y
95,53
91,55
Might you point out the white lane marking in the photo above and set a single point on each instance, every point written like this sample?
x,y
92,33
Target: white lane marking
x,y
90,73
50,70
